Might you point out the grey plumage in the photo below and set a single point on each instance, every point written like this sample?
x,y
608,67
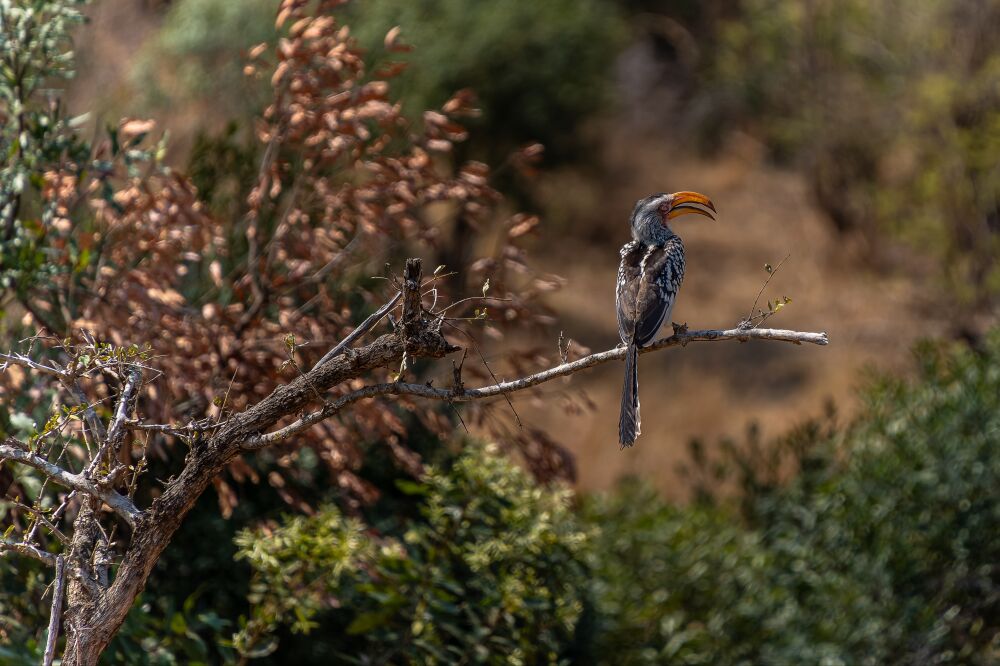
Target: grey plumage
x,y
649,277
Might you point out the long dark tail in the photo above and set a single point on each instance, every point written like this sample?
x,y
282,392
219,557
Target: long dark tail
x,y
628,422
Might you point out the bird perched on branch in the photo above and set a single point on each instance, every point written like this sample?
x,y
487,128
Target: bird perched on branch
x,y
649,277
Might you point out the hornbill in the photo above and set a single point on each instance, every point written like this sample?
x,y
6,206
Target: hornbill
x,y
649,277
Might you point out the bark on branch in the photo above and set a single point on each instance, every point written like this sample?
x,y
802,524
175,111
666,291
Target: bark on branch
x,y
14,450
115,436
27,550
56,612
462,394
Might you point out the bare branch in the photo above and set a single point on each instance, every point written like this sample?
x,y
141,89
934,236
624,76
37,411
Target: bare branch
x,y
42,520
177,431
89,414
771,272
54,616
363,328
116,433
117,430
461,394
14,450
14,358
412,310
28,550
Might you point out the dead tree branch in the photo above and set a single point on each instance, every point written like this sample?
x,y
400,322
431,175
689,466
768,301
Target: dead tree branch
x,y
363,328
56,614
462,394
116,433
27,550
16,451
25,362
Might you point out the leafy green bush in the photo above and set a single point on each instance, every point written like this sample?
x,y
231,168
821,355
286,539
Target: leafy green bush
x,y
538,68
893,110
197,58
490,569
883,550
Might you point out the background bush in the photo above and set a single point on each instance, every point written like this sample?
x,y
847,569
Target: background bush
x,y
488,568
539,69
892,110
882,550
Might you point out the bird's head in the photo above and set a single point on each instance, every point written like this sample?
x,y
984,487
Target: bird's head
x,y
651,217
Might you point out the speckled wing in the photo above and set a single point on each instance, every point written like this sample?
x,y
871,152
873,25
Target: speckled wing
x,y
649,278
628,286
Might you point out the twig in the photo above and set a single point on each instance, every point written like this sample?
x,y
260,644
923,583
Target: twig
x,y
177,431
365,326
461,394
748,322
498,299
475,343
14,358
89,414
253,237
116,433
14,450
222,408
28,550
41,519
57,598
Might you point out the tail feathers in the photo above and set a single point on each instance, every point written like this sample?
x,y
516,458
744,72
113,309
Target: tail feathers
x,y
628,422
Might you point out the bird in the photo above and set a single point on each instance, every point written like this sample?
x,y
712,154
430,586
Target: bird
x,y
649,277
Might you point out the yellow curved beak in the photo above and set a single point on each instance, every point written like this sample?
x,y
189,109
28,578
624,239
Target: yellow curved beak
x,y
685,203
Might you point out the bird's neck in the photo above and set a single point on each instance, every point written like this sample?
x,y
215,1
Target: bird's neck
x,y
651,231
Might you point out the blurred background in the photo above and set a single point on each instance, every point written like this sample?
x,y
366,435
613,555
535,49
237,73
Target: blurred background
x,y
785,504
860,139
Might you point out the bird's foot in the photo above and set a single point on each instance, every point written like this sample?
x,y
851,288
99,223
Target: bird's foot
x,y
679,328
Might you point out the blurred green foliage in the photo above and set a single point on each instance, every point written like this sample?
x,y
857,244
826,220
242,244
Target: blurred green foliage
x,y
196,59
34,56
882,550
893,110
539,69
490,570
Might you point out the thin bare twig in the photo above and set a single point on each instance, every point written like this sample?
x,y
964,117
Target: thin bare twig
x,y
14,358
116,433
14,450
363,328
177,431
482,357
461,394
748,322
498,299
41,519
56,614
253,237
27,550
225,399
